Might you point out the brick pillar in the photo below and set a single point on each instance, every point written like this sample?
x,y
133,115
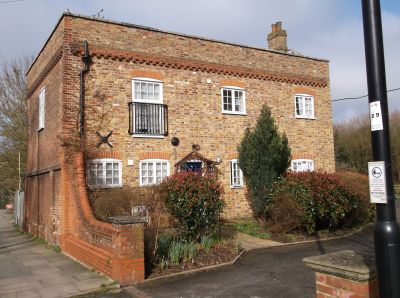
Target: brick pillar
x,y
128,249
344,274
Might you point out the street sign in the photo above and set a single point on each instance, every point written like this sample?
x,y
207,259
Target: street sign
x,y
375,114
377,182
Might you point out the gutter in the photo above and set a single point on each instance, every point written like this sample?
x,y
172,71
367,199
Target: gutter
x,y
86,60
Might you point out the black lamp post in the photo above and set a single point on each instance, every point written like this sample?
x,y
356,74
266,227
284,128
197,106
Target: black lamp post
x,y
387,231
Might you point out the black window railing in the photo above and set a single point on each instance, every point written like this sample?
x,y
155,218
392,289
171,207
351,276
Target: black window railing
x,y
148,119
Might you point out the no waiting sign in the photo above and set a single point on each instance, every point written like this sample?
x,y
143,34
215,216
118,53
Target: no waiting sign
x,y
377,182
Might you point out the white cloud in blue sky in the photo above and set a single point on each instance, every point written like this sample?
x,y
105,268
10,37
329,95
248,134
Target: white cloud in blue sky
x,y
330,29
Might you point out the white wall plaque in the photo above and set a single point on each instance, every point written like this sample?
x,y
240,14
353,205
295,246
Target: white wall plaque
x,y
375,114
377,182
130,162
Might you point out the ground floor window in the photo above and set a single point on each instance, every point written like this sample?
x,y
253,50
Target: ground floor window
x,y
104,173
153,171
302,165
236,174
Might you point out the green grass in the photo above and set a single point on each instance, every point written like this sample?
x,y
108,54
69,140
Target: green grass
x,y
40,240
251,228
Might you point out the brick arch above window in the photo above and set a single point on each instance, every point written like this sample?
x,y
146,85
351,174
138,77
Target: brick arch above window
x,y
138,73
233,83
303,155
154,155
105,154
304,90
233,155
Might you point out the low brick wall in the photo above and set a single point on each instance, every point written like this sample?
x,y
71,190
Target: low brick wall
x,y
344,274
117,250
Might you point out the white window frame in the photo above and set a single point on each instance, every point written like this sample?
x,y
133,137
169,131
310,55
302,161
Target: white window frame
x,y
232,163
233,89
147,80
308,163
159,101
103,161
153,161
41,108
303,98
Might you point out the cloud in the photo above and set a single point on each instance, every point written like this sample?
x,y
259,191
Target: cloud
x,y
330,29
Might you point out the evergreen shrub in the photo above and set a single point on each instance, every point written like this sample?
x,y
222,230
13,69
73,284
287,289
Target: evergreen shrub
x,y
264,155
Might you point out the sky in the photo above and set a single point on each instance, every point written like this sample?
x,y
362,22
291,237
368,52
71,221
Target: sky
x,y
329,29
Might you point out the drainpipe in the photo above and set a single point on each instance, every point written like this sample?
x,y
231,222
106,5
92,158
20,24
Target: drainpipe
x,y
86,60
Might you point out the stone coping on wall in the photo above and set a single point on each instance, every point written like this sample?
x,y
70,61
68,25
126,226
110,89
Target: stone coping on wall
x,y
346,264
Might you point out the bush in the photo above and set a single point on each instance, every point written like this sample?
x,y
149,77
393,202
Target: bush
x,y
358,185
284,214
195,203
264,155
324,200
122,201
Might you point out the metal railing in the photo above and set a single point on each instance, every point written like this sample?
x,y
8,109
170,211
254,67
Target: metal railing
x,y
148,119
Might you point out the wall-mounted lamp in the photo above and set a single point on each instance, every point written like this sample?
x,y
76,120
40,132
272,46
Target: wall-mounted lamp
x,y
175,141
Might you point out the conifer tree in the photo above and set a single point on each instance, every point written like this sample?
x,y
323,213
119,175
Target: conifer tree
x,y
264,155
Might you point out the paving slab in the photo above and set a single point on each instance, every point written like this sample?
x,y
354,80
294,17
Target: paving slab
x,y
31,270
28,294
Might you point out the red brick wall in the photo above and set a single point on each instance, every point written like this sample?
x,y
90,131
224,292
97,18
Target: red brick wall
x,y
329,286
43,156
116,250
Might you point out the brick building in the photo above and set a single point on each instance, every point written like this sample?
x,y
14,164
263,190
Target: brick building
x,y
166,101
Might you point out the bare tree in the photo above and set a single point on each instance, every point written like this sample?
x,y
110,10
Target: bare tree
x,y
353,148
13,122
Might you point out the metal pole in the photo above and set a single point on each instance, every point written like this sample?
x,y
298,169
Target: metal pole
x,y
19,172
387,231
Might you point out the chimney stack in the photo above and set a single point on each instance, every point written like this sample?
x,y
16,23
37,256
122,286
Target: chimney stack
x,y
277,38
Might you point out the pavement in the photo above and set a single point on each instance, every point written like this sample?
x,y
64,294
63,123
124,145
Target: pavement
x,y
29,269
264,270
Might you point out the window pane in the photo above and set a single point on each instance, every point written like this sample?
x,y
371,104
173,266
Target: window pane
x,y
227,100
143,91
151,91
137,90
299,106
238,101
308,107
156,91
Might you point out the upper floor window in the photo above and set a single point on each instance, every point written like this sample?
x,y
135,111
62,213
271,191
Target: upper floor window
x,y
302,165
105,172
42,101
236,174
147,90
153,171
233,100
304,106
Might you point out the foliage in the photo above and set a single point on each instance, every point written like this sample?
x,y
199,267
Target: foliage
x,y
175,250
325,201
251,228
284,214
195,202
353,144
264,155
122,201
13,123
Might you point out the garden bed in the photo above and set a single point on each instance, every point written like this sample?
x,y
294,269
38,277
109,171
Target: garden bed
x,y
224,252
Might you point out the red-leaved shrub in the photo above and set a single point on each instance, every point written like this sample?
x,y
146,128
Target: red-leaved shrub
x,y
327,200
195,202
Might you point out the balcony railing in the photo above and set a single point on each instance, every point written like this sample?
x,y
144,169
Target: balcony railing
x,y
148,119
